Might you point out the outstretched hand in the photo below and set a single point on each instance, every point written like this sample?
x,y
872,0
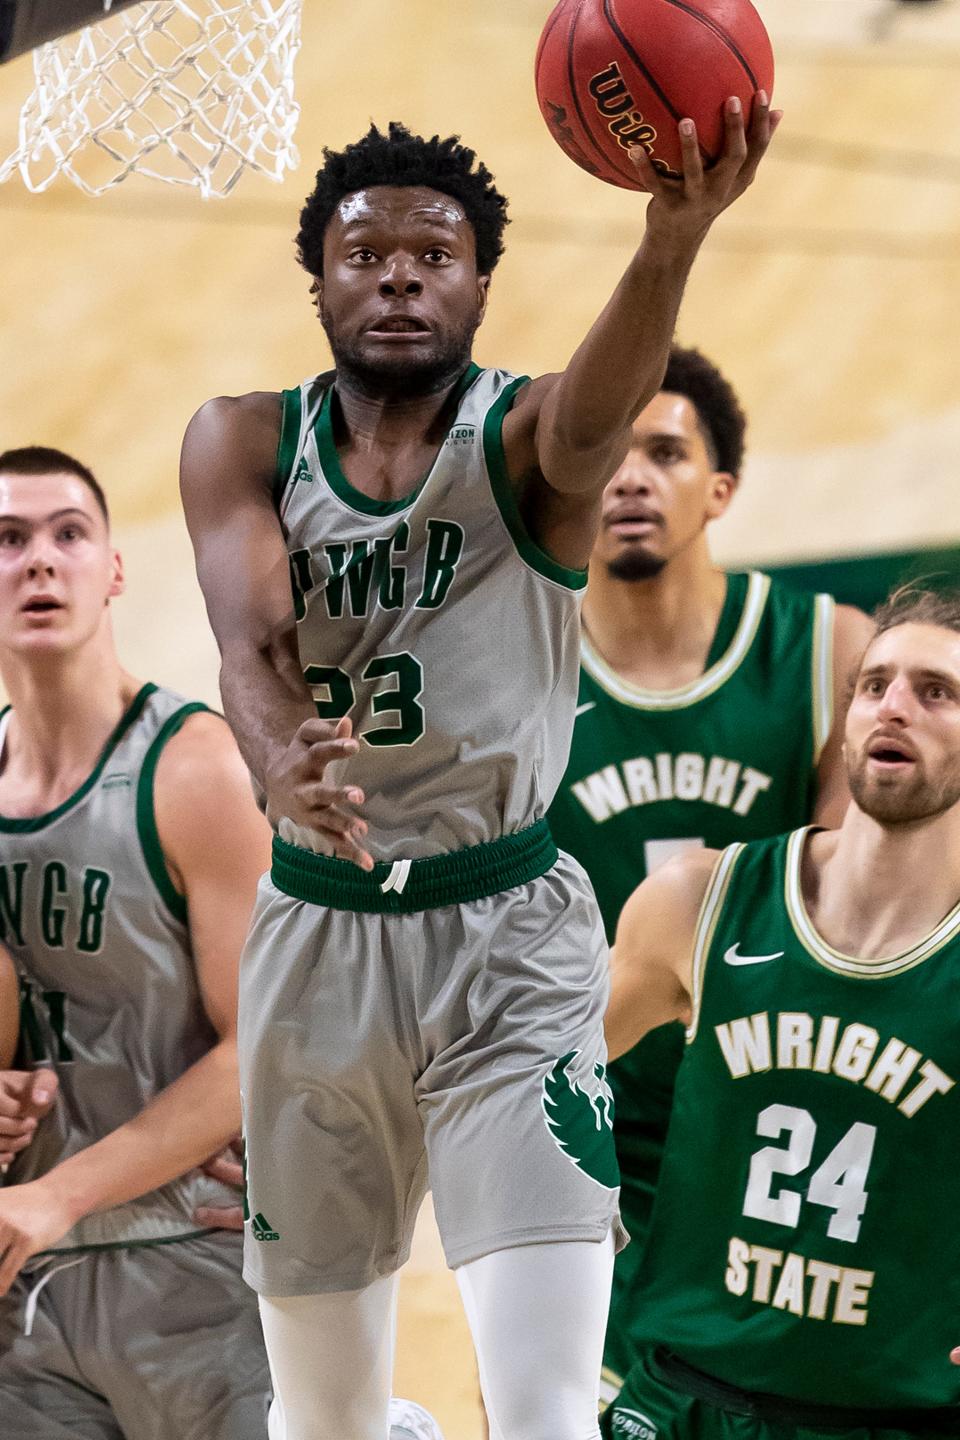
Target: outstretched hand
x,y
26,1096
298,787
693,203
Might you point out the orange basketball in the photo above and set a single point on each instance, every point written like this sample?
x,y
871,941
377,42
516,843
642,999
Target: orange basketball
x,y
611,74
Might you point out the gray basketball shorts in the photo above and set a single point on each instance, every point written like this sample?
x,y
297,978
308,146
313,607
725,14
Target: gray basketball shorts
x,y
458,1045
149,1342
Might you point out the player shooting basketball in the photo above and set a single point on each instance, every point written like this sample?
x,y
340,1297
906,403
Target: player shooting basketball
x,y
424,982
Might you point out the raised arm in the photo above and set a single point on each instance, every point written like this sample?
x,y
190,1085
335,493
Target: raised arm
x,y
651,963
567,434
228,468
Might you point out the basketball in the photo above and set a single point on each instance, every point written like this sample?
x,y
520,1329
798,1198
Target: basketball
x,y
611,74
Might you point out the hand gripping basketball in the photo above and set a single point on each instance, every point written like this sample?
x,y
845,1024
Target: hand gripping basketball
x,y
692,203
298,788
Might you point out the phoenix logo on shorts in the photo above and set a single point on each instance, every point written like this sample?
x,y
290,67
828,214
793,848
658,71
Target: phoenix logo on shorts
x,y
582,1124
633,1424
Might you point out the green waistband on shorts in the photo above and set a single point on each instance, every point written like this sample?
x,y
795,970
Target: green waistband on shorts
x,y
403,886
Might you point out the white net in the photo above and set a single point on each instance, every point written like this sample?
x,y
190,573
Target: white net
x,y
191,92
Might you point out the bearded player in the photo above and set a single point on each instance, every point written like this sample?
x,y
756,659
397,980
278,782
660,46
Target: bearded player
x,y
801,1275
423,987
707,714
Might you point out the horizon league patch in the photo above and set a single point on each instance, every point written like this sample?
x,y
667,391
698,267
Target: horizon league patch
x,y
633,1424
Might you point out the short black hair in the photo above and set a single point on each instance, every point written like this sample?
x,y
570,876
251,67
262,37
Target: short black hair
x,y
45,460
713,397
401,158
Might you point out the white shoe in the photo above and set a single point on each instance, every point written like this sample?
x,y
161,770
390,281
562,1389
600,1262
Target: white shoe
x,y
409,1421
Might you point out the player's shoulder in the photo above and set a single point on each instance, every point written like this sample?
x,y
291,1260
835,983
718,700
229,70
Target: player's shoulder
x,y
202,785
227,414
199,761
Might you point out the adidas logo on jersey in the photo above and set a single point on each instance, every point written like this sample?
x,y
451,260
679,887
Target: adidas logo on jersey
x,y
262,1229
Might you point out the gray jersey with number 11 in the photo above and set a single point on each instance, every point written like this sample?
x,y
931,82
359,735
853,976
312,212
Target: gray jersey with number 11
x,y
436,623
109,993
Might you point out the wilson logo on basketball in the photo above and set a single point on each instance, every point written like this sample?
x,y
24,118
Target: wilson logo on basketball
x,y
617,108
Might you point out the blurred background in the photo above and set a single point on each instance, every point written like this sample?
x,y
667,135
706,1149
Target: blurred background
x,y
830,295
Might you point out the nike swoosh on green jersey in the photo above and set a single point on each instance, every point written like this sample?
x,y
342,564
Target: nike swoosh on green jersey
x,y
732,956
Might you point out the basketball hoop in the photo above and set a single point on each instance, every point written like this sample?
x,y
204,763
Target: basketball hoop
x,y
191,92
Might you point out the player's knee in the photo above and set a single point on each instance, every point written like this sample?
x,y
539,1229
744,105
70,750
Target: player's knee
x,y
545,1411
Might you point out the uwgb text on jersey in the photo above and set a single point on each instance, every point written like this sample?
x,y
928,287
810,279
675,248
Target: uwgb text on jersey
x,y
71,904
894,1071
356,579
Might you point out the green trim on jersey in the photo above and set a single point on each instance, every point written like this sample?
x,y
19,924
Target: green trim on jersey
x,y
527,548
333,470
710,909
713,677
34,823
288,446
824,614
836,960
146,818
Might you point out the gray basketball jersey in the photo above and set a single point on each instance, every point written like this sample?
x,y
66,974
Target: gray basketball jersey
x,y
436,623
109,994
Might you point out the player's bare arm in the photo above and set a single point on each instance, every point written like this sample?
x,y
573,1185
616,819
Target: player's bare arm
x,y
215,854
567,434
852,630
228,467
25,1095
651,962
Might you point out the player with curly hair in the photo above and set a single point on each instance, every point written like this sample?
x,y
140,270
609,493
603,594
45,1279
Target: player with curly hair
x,y
707,713
425,978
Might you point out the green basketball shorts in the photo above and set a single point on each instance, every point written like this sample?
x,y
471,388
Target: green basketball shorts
x,y
663,1399
437,1022
146,1342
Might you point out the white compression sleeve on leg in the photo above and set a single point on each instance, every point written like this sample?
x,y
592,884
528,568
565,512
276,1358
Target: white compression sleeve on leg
x,y
538,1315
331,1359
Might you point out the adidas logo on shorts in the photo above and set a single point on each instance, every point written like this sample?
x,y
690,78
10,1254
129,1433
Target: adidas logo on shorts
x,y
262,1229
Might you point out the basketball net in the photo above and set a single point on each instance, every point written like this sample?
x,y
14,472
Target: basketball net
x,y
191,92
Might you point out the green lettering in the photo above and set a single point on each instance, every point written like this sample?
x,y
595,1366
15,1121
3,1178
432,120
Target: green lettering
x,y
301,580
391,579
444,548
53,917
338,685
11,902
358,573
96,887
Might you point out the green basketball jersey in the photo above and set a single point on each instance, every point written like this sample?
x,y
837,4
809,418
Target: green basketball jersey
x,y
729,757
804,1237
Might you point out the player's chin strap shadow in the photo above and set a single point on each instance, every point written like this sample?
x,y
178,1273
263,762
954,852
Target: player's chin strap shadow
x,y
30,1309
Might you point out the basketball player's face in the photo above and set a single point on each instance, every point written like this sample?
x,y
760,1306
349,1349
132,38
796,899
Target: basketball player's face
x,y
57,566
902,738
664,493
400,297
